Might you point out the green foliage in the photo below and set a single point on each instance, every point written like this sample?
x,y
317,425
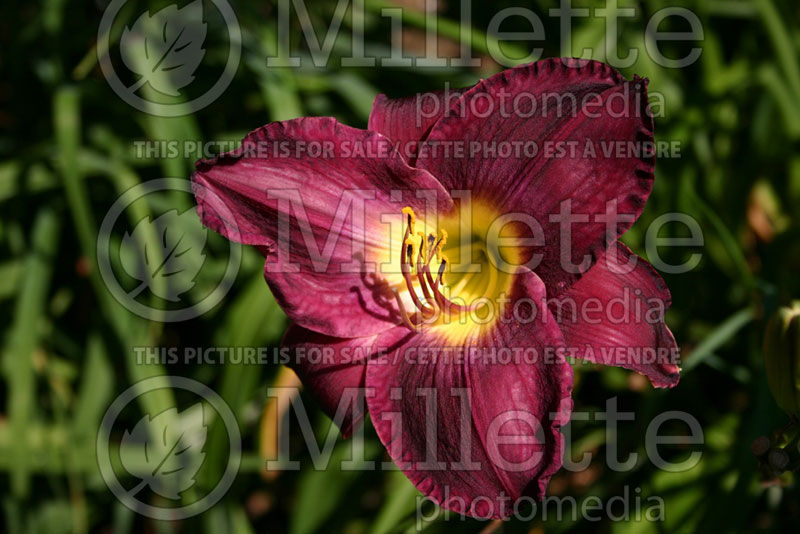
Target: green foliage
x,y
67,151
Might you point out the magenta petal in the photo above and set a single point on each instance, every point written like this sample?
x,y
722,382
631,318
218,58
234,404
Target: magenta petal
x,y
340,290
521,396
333,370
499,112
628,330
407,121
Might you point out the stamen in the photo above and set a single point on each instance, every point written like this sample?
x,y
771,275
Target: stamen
x,y
406,270
411,217
444,302
407,262
440,277
421,269
442,238
403,313
416,256
427,269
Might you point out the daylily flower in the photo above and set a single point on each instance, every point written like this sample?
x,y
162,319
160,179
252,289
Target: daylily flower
x,y
456,227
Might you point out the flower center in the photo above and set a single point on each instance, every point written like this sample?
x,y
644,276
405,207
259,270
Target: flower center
x,y
460,274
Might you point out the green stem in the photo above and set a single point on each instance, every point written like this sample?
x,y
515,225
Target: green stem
x,y
17,362
782,42
129,329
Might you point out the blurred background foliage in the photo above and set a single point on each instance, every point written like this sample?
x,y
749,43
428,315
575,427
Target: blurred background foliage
x,y
67,150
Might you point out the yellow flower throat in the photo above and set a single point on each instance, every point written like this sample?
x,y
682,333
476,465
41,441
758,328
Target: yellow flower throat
x,y
478,254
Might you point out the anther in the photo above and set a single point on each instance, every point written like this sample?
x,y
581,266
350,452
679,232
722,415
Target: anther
x,y
411,218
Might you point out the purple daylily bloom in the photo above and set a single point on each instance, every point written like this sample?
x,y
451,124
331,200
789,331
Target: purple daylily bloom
x,y
371,238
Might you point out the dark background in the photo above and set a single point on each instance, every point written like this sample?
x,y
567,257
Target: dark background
x,y
67,151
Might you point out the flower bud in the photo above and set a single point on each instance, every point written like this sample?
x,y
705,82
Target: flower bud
x,y
782,357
